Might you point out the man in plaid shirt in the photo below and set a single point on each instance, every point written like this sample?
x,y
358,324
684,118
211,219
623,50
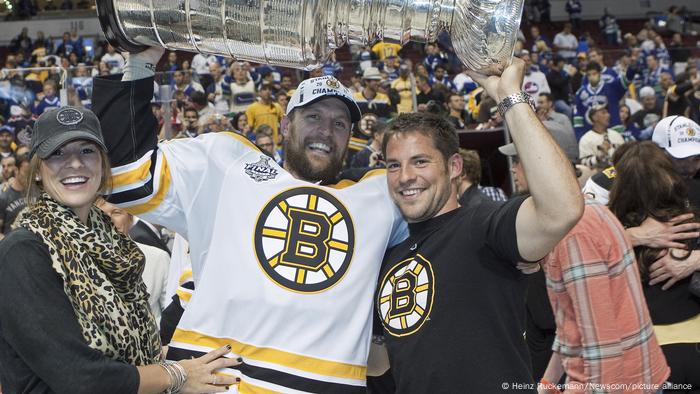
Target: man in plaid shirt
x,y
605,340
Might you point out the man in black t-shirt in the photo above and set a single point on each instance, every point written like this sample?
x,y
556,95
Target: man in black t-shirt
x,y
450,298
12,200
426,93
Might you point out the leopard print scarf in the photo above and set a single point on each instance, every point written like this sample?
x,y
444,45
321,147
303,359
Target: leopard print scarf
x,y
101,271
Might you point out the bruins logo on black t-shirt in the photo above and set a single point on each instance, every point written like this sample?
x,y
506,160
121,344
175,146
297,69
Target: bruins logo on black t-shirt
x,y
406,295
304,240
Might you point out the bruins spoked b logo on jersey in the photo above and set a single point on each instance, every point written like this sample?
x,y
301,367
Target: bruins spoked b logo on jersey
x,y
304,240
406,296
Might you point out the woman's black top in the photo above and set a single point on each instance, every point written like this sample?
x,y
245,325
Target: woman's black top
x,y
42,349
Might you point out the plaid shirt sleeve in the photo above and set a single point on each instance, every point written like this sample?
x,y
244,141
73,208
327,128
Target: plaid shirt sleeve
x,y
494,193
596,338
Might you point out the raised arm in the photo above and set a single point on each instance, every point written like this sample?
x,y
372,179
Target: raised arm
x,y
142,181
556,203
123,105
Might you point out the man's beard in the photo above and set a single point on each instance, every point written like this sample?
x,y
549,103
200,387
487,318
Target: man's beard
x,y
298,163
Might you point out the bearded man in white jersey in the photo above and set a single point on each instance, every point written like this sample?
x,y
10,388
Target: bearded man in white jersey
x,y
284,259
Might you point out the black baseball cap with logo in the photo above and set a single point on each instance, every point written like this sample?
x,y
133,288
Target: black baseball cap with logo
x,y
58,126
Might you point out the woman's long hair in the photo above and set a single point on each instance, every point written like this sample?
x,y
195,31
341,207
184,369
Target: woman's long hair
x,y
647,185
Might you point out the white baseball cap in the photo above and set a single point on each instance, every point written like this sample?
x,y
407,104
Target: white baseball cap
x,y
312,90
678,135
647,91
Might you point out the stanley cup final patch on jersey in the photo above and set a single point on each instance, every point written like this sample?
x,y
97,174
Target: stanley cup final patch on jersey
x,y
304,240
261,170
405,296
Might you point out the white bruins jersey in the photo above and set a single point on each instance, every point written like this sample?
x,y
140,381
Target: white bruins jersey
x,y
284,269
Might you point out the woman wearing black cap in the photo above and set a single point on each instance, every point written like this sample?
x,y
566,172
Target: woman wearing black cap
x,y
74,314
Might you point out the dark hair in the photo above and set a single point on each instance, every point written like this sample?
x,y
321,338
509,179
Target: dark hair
x,y
21,159
263,129
190,109
450,95
596,50
471,165
234,120
647,186
593,66
198,98
548,96
437,128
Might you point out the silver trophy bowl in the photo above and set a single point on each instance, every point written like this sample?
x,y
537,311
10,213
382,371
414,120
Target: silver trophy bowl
x,y
303,33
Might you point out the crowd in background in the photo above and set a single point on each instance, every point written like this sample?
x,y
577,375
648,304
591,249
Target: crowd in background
x,y
638,76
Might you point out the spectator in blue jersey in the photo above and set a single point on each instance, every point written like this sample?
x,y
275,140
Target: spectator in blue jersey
x,y
219,91
243,90
596,55
651,76
364,57
537,36
598,92
433,57
49,99
391,66
644,120
463,83
183,84
66,46
625,122
82,83
171,64
440,76
332,66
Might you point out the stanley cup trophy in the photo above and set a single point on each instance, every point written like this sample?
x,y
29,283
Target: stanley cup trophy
x,y
303,33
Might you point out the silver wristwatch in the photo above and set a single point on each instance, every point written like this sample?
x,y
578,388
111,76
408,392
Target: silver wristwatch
x,y
515,98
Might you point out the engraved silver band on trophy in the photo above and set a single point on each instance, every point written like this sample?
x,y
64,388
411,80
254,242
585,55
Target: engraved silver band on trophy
x,y
303,33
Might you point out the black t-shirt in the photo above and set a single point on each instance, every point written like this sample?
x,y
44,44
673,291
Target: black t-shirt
x,y
694,105
673,305
693,186
11,203
644,118
432,95
42,349
452,303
